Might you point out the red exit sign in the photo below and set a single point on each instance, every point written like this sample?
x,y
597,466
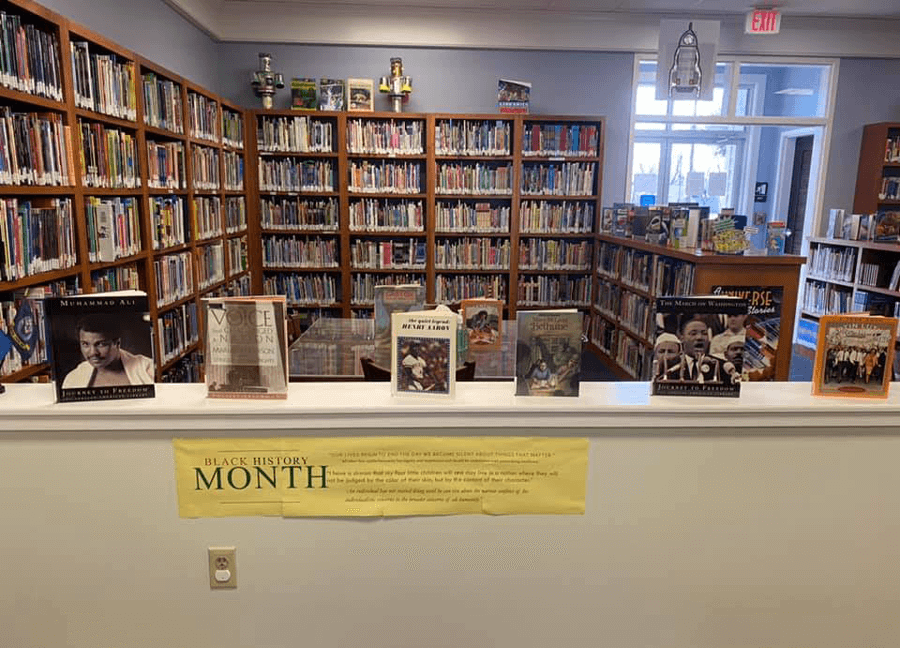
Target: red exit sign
x,y
763,21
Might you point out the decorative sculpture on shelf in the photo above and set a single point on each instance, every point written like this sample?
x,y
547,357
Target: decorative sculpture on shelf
x,y
265,82
685,75
397,86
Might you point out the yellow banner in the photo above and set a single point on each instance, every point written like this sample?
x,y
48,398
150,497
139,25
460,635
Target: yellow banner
x,y
380,476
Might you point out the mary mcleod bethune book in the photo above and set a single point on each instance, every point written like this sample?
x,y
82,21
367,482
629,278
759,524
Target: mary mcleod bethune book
x,y
102,348
483,319
423,354
687,327
855,355
548,352
246,347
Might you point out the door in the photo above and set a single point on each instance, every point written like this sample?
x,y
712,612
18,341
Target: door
x,y
799,188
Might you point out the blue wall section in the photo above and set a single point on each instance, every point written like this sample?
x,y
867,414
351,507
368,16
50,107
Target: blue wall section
x,y
153,30
464,80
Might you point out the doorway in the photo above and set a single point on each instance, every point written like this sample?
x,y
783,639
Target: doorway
x,y
795,192
798,192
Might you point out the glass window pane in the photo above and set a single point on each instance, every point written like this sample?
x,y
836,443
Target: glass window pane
x,y
704,173
645,170
655,126
646,101
793,90
717,106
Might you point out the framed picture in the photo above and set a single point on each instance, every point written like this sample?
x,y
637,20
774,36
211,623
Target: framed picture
x,y
854,356
761,194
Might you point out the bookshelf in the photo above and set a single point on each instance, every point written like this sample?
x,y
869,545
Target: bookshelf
x,y
631,274
878,174
139,154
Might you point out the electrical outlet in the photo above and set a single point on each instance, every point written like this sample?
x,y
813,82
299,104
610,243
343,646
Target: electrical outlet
x,y
222,568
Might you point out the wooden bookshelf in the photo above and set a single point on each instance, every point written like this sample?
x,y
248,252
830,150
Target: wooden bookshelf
x,y
135,268
875,165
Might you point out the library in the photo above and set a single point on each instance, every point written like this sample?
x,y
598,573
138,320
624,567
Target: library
x,y
550,155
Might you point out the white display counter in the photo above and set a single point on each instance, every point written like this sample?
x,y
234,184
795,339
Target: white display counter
x,y
771,520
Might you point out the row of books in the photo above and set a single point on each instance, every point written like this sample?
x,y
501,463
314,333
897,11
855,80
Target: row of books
x,y
103,82
603,335
636,269
36,239
825,299
165,165
207,217
119,278
405,255
568,179
113,228
554,291
608,298
883,226
636,314
543,217
293,213
837,263
473,179
205,167
235,214
234,171
550,254
162,103
292,175
672,277
466,217
300,252
451,289
294,135
303,289
174,274
553,140
385,177
868,274
472,253
371,215
232,129
385,137
168,221
876,304
204,115
362,287
34,149
890,188
892,149
188,369
211,264
238,255
677,227
29,58
177,329
109,157
472,137
633,356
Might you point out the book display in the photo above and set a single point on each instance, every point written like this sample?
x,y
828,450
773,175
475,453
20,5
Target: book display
x,y
855,356
548,353
124,176
423,354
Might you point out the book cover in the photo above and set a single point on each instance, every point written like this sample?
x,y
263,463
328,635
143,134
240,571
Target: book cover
x,y
246,347
854,356
835,223
360,95
303,94
887,226
483,320
331,94
623,219
389,300
762,329
423,354
548,352
775,237
513,96
683,363
102,346
106,245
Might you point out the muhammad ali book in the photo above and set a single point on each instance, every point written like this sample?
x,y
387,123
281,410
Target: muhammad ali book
x,y
689,329
423,354
548,352
101,346
246,347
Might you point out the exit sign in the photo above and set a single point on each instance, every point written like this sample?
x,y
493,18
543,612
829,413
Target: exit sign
x,y
763,21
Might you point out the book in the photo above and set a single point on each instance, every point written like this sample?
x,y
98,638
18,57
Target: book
x,y
303,94
483,319
360,95
854,356
513,96
887,226
246,347
389,300
102,347
775,237
423,354
762,331
548,352
331,94
835,223
683,363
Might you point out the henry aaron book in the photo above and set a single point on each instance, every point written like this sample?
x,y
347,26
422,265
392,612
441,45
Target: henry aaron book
x,y
854,356
687,328
389,300
423,354
483,319
246,347
102,346
548,352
